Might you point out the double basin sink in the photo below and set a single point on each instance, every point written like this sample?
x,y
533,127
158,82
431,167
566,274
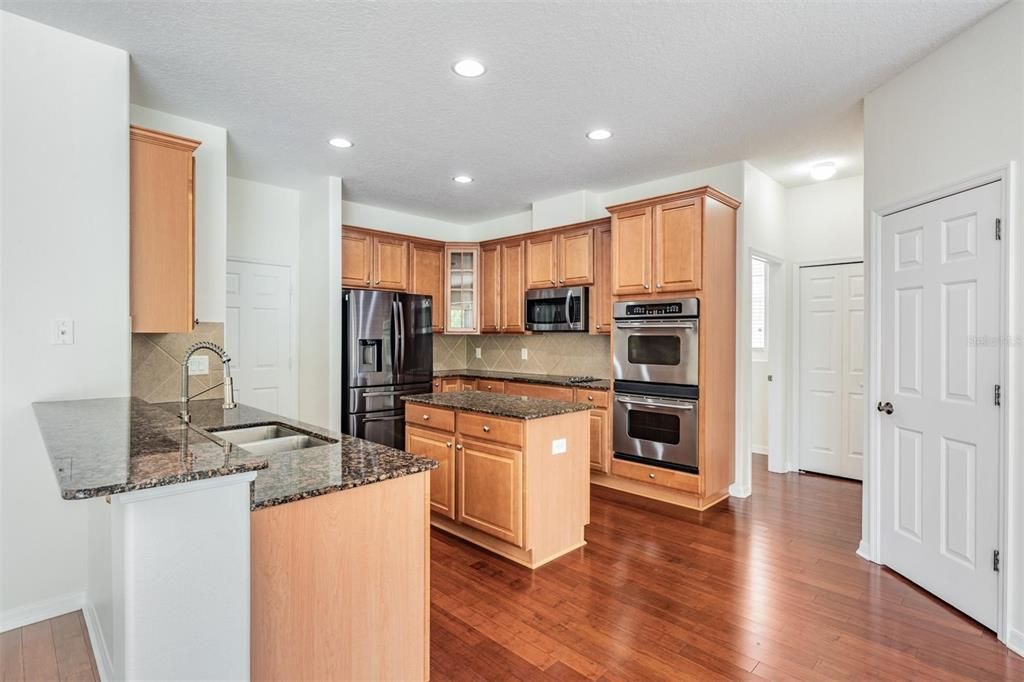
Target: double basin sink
x,y
269,439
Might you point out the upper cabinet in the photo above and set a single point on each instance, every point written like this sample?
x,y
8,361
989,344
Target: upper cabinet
x,y
502,268
658,244
462,274
356,258
558,258
427,277
490,288
390,263
601,293
162,239
372,260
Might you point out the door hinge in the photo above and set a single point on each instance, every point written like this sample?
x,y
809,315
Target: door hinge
x,y
999,228
995,560
999,395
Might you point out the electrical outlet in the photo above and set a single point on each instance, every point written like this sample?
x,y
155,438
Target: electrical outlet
x,y
477,352
198,364
62,331
558,446
525,354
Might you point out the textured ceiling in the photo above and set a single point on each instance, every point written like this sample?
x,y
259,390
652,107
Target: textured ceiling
x,y
682,85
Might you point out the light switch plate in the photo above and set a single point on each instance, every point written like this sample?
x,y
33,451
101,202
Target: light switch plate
x,y
198,364
477,350
558,446
525,354
62,331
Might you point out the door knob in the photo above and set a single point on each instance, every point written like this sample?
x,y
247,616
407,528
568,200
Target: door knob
x,y
885,407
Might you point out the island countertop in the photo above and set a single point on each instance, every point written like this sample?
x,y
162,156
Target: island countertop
x,y
109,446
497,404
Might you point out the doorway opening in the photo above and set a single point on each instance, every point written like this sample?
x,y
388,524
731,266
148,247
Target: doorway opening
x,y
768,341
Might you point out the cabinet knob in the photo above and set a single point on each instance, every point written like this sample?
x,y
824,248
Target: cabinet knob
x,y
426,417
659,285
458,447
651,475
561,281
447,443
646,286
377,282
367,281
590,397
486,428
598,325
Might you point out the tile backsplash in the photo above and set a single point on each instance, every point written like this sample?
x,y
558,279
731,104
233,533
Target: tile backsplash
x,y
561,353
156,363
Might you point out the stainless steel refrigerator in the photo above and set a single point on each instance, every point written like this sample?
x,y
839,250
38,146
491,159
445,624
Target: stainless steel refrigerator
x,y
388,349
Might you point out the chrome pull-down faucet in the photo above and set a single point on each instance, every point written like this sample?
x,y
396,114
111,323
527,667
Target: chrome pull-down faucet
x,y
228,383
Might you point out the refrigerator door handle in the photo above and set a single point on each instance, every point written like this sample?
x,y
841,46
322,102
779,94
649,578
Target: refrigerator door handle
x,y
396,339
384,419
401,329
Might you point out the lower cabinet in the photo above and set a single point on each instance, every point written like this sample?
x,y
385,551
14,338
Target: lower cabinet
x,y
490,489
438,446
600,427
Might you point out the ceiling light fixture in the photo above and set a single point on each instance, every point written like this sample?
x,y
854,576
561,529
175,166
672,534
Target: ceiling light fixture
x,y
469,68
599,134
823,170
340,142
463,179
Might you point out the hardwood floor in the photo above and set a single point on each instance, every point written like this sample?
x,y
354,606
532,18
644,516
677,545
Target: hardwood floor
x,y
55,649
766,587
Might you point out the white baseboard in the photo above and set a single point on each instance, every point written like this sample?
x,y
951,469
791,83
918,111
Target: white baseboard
x,y
739,490
100,650
759,449
41,610
864,550
1015,642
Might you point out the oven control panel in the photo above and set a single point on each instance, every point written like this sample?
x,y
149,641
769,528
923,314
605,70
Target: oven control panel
x,y
685,307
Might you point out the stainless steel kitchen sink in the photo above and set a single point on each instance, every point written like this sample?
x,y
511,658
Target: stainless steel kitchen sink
x,y
268,439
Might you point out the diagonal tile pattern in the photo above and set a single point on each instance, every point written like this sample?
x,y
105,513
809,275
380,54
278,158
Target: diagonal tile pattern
x,y
156,363
567,354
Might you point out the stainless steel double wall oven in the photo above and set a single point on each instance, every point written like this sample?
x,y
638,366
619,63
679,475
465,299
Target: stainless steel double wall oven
x,y
657,396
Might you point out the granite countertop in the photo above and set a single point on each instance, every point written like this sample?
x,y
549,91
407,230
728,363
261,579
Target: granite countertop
x,y
498,404
549,379
116,445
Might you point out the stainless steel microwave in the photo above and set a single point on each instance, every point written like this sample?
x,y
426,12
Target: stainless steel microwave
x,y
557,310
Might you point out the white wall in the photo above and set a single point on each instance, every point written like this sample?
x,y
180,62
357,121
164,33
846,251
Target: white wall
x,y
516,223
262,222
321,210
566,209
64,136
374,217
956,113
825,220
211,204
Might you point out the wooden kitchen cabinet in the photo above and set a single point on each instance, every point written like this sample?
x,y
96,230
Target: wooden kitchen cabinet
x,y
427,277
450,384
601,292
542,261
390,263
632,236
490,288
490,386
576,257
462,288
440,447
162,252
490,489
600,427
356,258
677,246
512,289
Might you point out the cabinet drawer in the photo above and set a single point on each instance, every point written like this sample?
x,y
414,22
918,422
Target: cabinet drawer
x,y
490,386
592,397
677,480
494,429
430,417
539,391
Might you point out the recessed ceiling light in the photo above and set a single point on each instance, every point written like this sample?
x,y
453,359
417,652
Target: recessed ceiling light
x,y
463,179
340,142
599,134
469,68
823,170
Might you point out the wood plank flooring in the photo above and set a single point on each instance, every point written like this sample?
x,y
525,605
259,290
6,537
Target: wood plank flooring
x,y
55,649
763,588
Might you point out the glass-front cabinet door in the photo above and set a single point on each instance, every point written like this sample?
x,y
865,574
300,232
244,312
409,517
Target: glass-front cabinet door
x,y
462,271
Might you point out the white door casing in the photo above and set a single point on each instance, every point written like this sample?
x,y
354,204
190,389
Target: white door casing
x,y
258,336
831,366
940,301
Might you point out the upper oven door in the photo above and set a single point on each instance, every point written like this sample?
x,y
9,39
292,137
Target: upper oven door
x,y
659,351
557,310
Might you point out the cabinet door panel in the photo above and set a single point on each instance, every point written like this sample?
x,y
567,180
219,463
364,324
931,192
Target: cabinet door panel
x,y
356,259
490,288
601,294
390,263
490,489
428,278
576,257
541,262
598,440
451,385
631,252
513,315
677,246
439,447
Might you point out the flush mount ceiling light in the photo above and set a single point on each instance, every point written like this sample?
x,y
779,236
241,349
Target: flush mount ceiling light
x,y
599,134
823,170
469,68
340,142
462,179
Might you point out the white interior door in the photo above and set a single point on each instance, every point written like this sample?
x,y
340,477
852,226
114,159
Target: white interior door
x,y
940,327
257,334
832,369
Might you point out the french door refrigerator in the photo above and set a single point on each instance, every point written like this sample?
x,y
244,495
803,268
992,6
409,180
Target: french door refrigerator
x,y
388,349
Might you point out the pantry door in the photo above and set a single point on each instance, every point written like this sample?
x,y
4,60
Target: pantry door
x,y
939,423
831,439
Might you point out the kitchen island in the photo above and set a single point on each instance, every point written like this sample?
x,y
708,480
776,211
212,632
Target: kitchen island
x,y
513,472
324,545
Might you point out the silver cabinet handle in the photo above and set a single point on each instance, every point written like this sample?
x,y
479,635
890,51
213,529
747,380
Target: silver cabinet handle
x,y
486,428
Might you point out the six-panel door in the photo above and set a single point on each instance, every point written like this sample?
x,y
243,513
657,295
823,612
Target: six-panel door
x,y
439,447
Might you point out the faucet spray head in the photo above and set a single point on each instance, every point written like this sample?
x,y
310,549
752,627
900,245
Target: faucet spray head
x,y
229,387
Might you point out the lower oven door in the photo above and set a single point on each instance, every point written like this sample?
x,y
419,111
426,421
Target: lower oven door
x,y
656,430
